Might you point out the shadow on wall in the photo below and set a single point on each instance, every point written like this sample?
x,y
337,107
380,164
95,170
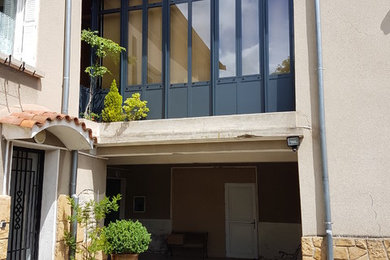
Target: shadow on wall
x,y
12,85
385,25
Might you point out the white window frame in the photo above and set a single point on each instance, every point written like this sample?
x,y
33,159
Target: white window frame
x,y
26,32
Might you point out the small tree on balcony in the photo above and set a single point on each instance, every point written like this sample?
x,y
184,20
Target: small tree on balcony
x,y
102,48
113,111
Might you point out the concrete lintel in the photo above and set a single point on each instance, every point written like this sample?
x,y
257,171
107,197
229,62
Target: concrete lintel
x,y
242,157
195,148
233,128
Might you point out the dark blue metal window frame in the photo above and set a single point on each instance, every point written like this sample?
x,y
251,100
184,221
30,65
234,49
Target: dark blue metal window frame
x,y
266,88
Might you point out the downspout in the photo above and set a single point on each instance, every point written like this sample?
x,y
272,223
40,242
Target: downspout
x,y
65,90
324,154
64,110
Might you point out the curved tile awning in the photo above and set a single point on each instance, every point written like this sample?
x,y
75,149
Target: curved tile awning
x,y
70,130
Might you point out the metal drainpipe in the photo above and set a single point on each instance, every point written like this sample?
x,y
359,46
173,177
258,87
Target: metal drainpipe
x,y
324,154
64,110
73,182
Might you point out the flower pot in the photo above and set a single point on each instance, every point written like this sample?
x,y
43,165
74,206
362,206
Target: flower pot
x,y
124,256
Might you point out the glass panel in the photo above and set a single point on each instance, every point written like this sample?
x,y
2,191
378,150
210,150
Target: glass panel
x,y
279,37
179,43
201,41
154,44
7,25
111,4
135,2
111,30
250,37
227,39
134,59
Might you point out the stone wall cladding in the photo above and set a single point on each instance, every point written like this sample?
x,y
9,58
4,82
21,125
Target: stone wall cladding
x,y
63,211
347,248
5,209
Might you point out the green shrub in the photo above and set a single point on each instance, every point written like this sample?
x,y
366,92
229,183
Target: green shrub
x,y
135,108
112,111
125,237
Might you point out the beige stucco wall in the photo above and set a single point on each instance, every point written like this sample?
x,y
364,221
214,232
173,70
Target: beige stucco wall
x,y
19,89
356,52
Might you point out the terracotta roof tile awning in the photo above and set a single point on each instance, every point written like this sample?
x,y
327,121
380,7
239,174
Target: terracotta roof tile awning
x,y
70,130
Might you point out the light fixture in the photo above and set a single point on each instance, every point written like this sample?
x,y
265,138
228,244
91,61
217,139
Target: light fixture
x,y
293,142
40,137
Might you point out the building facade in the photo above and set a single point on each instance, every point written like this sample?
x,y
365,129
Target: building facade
x,y
227,82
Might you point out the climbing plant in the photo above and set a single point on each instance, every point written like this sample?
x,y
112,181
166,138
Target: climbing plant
x,y
88,216
102,48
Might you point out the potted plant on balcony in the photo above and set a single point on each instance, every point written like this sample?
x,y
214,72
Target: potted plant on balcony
x,y
125,239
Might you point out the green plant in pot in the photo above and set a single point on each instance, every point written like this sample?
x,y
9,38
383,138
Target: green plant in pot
x,y
125,239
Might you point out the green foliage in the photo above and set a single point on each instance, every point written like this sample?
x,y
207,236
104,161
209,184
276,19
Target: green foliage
x,y
88,216
102,47
91,116
135,108
124,237
284,67
112,111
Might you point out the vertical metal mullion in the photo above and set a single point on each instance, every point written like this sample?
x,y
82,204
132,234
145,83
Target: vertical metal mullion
x,y
26,205
292,47
36,204
238,48
22,232
124,25
214,37
18,236
262,64
144,43
35,182
238,39
189,59
266,54
165,48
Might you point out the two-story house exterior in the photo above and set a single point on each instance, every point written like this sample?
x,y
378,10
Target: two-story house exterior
x,y
227,82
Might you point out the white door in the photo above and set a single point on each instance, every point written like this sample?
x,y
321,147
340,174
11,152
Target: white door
x,y
240,218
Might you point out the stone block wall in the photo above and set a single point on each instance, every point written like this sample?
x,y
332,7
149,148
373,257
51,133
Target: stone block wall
x,y
63,211
5,209
347,248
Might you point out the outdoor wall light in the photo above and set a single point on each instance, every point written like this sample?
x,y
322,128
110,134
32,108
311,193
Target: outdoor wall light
x,y
293,142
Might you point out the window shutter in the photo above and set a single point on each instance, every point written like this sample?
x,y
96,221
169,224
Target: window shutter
x,y
30,32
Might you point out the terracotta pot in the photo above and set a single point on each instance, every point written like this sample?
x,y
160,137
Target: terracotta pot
x,y
125,257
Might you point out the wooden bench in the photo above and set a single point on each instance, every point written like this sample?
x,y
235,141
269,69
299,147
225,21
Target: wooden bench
x,y
188,240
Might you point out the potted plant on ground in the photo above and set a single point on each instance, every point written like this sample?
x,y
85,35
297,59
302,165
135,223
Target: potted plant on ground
x,y
125,239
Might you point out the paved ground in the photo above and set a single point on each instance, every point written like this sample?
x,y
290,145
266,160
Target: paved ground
x,y
146,256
